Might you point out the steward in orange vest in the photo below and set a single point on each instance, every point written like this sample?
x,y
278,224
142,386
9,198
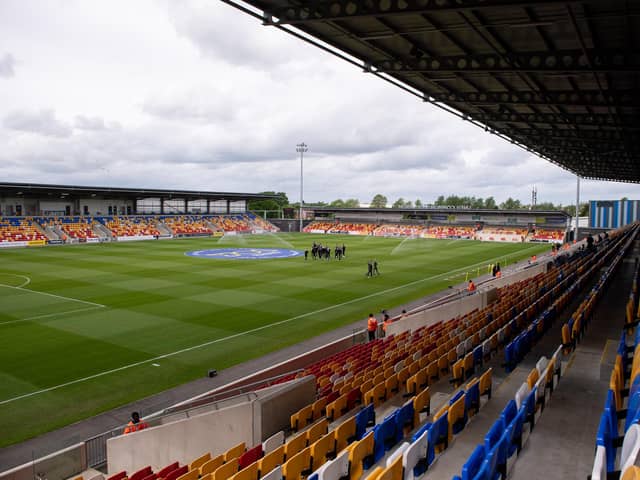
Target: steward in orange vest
x,y
135,424
372,326
471,287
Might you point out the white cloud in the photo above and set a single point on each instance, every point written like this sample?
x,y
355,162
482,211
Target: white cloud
x,y
7,63
43,122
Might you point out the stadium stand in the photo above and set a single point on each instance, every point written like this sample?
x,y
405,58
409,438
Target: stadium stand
x,y
186,225
18,229
131,226
547,235
78,228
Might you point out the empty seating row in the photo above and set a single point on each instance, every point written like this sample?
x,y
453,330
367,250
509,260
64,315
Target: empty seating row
x,y
509,433
622,402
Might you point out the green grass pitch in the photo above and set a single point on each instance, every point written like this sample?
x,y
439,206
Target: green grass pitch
x,y
81,327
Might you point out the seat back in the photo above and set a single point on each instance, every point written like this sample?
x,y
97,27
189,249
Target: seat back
x,y
295,445
631,473
321,449
345,433
250,456
457,415
399,452
415,453
224,471
271,460
234,452
599,470
250,472
275,474
393,471
297,465
521,394
210,466
317,430
541,365
486,380
361,456
472,397
335,469
273,442
473,464
630,447
532,378
494,434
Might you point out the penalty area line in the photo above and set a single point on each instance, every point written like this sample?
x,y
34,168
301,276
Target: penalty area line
x,y
21,288
49,315
248,332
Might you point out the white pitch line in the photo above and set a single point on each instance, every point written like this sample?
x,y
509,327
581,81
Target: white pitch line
x,y
48,315
53,295
26,282
247,332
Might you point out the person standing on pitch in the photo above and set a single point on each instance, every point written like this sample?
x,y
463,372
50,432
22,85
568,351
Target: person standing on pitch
x,y
372,326
375,267
370,269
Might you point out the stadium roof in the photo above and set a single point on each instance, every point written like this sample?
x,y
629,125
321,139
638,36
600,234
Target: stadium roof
x,y
559,78
41,190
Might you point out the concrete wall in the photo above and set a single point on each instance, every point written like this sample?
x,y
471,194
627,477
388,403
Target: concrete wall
x,y
520,275
449,310
182,440
277,407
57,466
215,428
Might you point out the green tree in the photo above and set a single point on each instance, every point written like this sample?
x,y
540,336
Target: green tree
x,y
271,206
398,203
339,203
352,203
418,203
490,203
440,201
510,204
408,204
379,201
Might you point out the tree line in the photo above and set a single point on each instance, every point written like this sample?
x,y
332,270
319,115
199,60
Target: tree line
x,y
281,203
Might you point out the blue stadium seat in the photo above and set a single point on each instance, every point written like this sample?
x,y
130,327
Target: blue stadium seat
x,y
384,436
472,397
403,418
474,464
365,418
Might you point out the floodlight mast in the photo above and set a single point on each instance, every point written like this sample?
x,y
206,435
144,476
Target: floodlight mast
x,y
301,148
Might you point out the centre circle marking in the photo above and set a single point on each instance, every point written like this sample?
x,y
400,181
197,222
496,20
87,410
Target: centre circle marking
x,y
245,253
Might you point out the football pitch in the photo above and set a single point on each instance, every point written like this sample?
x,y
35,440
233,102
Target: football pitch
x,y
86,328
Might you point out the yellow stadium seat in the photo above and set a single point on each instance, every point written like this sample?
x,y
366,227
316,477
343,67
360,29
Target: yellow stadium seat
x,y
297,466
250,472
319,408
190,475
421,403
317,430
443,365
198,462
336,408
323,448
345,433
631,473
391,385
413,368
295,445
393,471
457,373
271,460
302,418
532,378
375,473
210,466
234,452
361,450
403,375
468,365
433,372
226,470
457,417
486,382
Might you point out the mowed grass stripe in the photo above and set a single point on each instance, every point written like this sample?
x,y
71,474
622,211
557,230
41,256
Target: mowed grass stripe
x,y
162,301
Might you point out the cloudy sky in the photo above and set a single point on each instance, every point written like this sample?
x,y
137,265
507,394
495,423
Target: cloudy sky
x,y
194,94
